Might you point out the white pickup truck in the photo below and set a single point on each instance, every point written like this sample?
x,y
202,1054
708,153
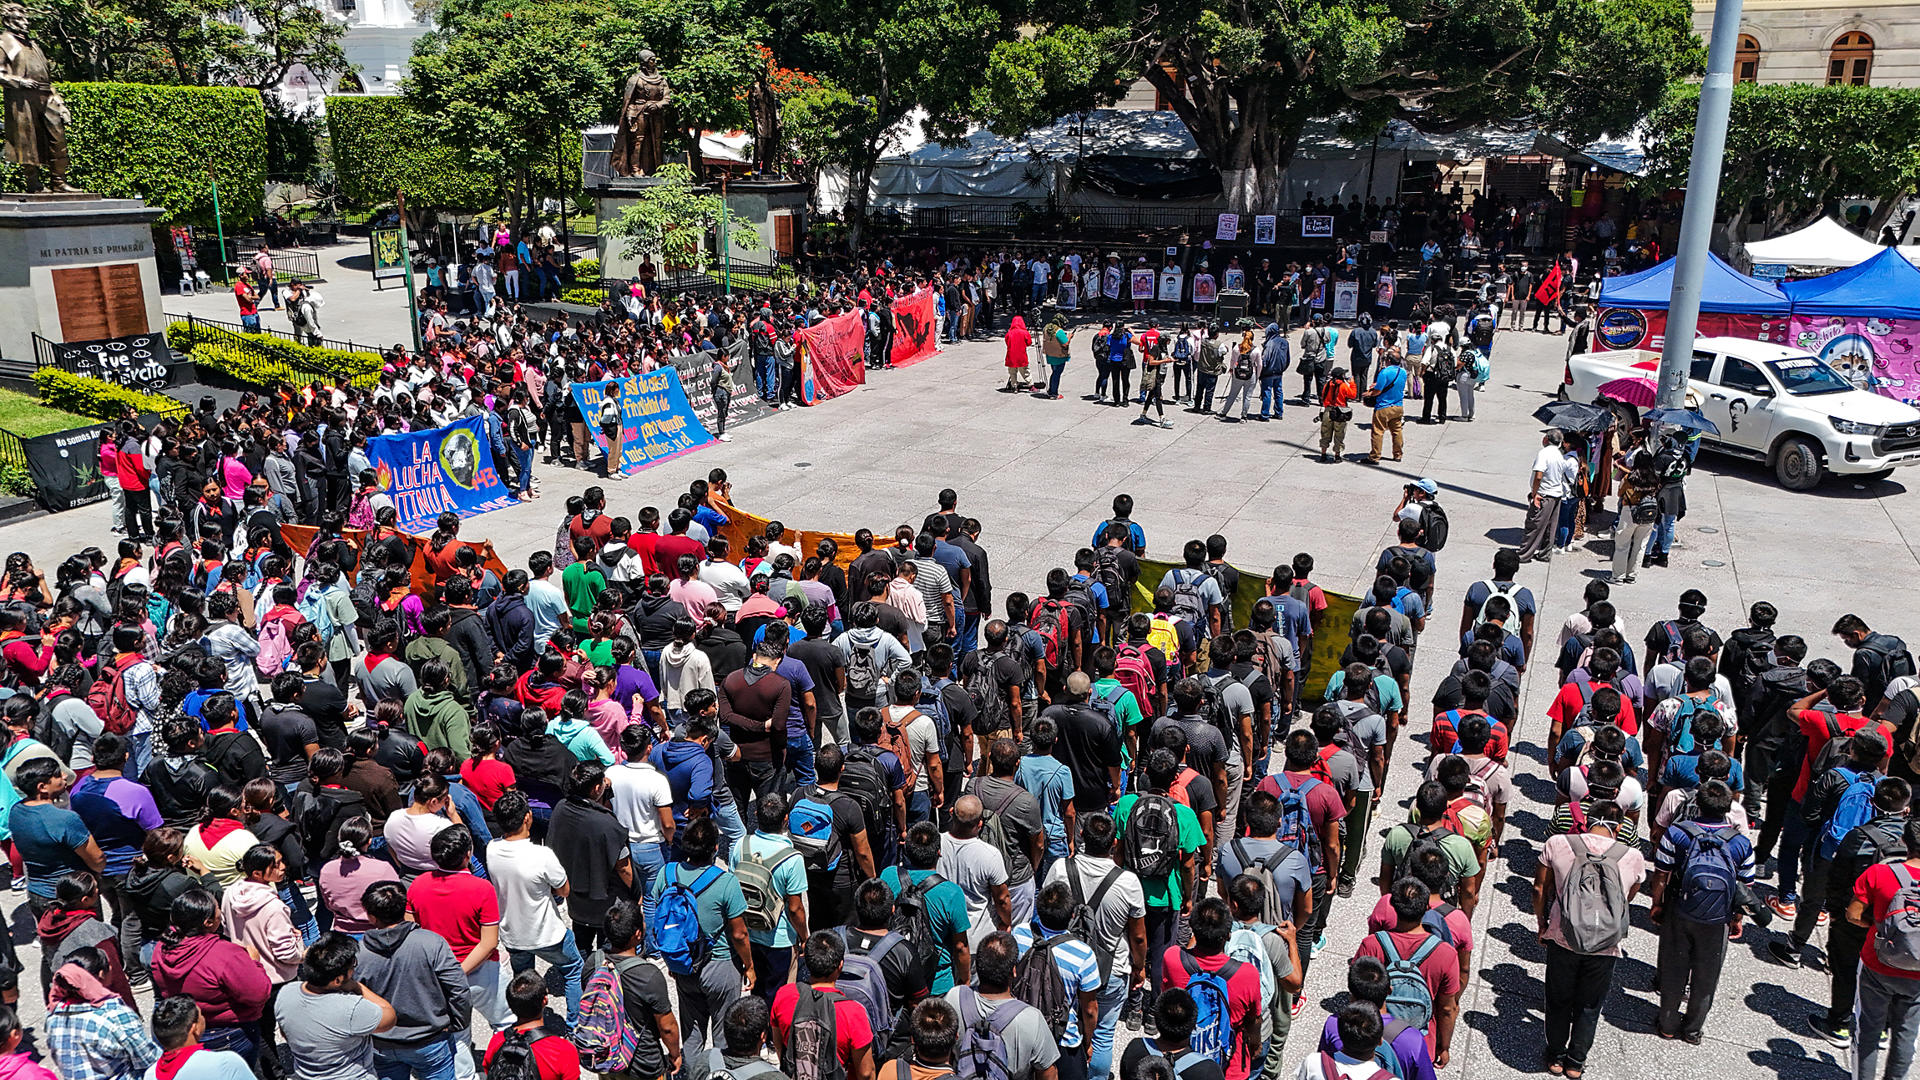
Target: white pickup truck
x,y
1776,404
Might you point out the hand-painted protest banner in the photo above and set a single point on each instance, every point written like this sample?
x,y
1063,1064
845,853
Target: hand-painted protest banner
x,y
437,471
65,468
656,420
833,357
915,329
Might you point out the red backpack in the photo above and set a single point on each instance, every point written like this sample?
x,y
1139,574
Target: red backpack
x,y
108,699
1049,619
1134,671
1320,769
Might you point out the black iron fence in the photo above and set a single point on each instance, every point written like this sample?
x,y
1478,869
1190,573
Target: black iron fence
x,y
12,454
1088,222
195,321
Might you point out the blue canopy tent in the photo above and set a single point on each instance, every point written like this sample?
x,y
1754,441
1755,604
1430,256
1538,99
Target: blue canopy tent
x,y
1724,290
1886,286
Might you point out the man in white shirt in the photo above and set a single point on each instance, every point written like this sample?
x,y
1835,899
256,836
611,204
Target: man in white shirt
x,y
1553,477
1119,927
977,867
531,883
643,801
545,600
727,580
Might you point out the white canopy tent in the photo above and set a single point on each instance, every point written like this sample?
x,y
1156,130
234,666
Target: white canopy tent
x,y
1824,243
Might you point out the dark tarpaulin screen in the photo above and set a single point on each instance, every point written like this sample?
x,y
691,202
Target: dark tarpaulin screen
x,y
1151,178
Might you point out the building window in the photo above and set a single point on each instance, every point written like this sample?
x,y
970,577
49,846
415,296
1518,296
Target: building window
x,y
1746,61
1851,61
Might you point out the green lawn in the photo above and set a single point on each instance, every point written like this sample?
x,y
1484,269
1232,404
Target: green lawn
x,y
27,416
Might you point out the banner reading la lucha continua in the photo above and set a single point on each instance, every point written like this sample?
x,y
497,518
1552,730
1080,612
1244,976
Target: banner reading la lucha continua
x,y
436,471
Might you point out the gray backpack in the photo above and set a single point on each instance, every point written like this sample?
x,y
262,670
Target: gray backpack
x,y
1896,937
1594,914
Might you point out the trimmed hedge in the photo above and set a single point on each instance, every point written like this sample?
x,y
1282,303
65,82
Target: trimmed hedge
x,y
587,269
381,145
314,362
102,400
243,363
156,143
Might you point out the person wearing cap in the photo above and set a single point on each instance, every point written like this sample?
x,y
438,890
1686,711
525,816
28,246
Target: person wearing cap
x,y
1336,411
1415,498
1553,477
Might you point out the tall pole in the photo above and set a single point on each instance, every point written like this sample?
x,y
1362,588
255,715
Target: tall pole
x,y
219,230
406,260
726,253
1703,192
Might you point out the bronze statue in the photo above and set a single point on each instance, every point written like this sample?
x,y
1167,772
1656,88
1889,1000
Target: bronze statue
x,y
36,117
639,146
765,108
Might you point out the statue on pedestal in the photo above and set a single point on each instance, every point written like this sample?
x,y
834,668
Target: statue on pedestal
x,y
36,118
639,145
765,108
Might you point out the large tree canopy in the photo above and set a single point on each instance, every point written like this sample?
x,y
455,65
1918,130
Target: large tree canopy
x,y
252,43
1246,75
1792,148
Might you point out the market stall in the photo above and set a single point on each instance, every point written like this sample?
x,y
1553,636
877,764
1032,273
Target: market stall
x,y
1633,308
1865,322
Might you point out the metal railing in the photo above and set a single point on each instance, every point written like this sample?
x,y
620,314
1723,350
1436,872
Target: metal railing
x,y
44,353
1024,220
289,264
11,452
194,321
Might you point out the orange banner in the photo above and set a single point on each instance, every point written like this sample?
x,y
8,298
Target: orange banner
x,y
300,538
741,525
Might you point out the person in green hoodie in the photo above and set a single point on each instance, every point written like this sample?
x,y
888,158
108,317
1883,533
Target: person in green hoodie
x,y
433,645
436,713
573,731
581,583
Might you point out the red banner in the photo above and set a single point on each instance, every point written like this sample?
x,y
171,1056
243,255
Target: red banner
x,y
833,358
1634,328
915,329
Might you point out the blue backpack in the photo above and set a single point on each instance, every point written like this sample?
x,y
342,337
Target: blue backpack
x,y
676,921
810,826
1854,808
1398,603
1213,1018
1296,821
1680,731
1709,880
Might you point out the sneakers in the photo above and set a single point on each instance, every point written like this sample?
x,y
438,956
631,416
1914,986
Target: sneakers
x,y
1786,909
1824,918
1149,1026
1130,1015
1840,1036
1299,1003
1786,952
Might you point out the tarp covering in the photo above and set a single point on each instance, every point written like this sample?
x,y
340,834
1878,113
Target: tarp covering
x,y
1327,648
1725,289
1824,243
1886,286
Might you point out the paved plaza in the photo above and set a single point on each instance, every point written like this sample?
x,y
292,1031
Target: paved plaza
x,y
1040,475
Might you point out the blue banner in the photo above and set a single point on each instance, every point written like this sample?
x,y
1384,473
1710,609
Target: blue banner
x,y
428,473
656,421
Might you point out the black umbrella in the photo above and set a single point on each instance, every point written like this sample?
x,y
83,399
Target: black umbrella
x,y
1577,417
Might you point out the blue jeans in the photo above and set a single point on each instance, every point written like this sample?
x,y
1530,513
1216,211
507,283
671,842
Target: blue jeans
x,y
919,807
1272,399
733,828
1793,844
250,322
140,750
565,955
968,640
1563,533
432,1061
800,758
1662,540
649,858
763,376
952,332
1100,1052
1053,377
523,465
1203,393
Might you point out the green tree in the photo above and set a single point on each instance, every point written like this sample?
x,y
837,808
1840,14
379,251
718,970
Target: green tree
x,y
1246,75
251,43
382,145
674,219
165,143
1793,148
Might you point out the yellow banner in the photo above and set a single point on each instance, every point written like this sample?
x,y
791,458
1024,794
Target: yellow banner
x,y
1327,646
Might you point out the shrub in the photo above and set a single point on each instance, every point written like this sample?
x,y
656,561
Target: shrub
x,y
586,270
15,480
307,361
102,400
591,297
381,145
156,143
258,369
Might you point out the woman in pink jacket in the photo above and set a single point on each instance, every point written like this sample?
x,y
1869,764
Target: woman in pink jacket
x,y
253,916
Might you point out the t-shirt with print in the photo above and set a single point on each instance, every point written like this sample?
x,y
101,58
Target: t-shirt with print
x,y
976,867
1292,876
851,1031
1441,969
789,879
455,906
1382,917
1031,1046
1161,891
1243,997
1124,901
721,901
1021,821
1570,700
1051,783
946,910
330,1035
1559,855
1078,965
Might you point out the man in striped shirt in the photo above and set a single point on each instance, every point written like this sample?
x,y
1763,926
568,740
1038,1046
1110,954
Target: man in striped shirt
x,y
936,588
1078,966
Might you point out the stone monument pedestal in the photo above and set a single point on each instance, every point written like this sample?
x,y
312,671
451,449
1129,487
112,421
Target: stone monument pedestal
x,y
75,267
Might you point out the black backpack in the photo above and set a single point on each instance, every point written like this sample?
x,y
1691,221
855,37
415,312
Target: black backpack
x,y
1894,659
514,1060
810,1052
1037,981
1151,846
865,781
913,920
1433,527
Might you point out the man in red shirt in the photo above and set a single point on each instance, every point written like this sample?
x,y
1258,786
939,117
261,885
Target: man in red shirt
x,y
853,1036
1603,669
553,1053
668,549
452,902
249,301
1846,695
1212,924
645,539
1440,964
592,523
1325,809
1886,993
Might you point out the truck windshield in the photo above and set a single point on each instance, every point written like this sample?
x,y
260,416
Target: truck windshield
x,y
1806,375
